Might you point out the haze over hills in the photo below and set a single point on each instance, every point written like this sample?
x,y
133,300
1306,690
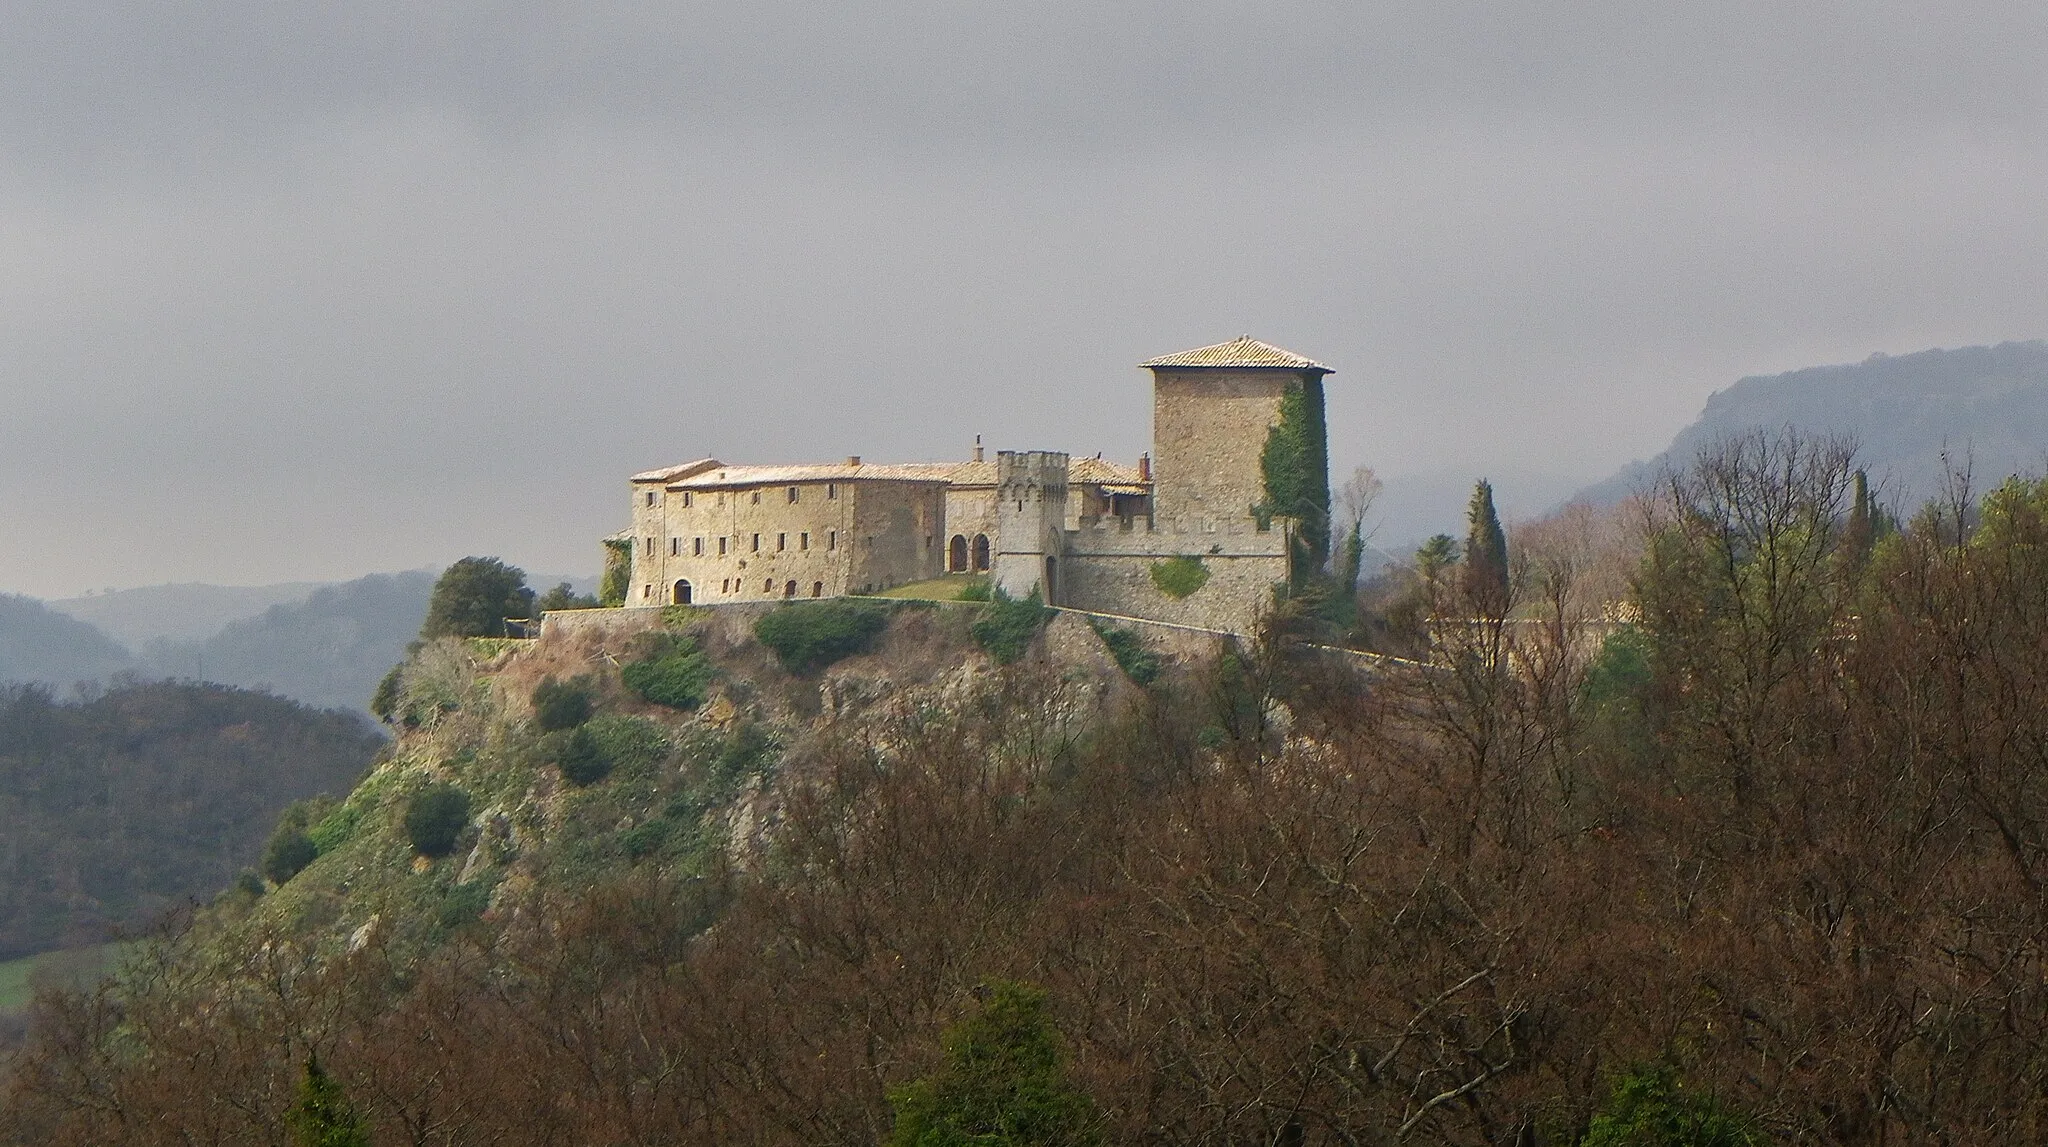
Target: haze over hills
x,y
186,611
38,643
325,645
1987,406
328,650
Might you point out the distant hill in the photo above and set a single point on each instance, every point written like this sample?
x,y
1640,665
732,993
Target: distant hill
x,y
1989,404
187,611
120,805
40,644
328,650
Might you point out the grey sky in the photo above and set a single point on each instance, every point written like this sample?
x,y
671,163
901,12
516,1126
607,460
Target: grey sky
x,y
305,294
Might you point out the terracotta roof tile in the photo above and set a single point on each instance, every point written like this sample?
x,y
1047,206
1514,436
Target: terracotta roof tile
x,y
1244,352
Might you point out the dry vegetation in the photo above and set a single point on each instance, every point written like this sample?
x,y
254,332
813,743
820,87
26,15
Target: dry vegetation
x,y
1787,840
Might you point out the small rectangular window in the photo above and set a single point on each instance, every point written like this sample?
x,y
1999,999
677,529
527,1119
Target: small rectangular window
x,y
646,591
768,586
831,489
697,547
650,497
686,499
721,545
781,542
831,539
650,547
675,547
803,540
757,543
792,495
757,497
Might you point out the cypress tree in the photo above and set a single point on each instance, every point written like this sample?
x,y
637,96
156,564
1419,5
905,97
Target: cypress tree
x,y
1003,1081
323,1117
1486,553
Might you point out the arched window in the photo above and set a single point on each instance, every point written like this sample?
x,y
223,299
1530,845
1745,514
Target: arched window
x,y
789,589
817,589
981,553
956,554
682,593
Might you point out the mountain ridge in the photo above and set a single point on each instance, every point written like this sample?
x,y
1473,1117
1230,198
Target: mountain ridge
x,y
1911,417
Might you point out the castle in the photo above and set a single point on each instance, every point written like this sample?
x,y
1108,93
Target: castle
x,y
1188,535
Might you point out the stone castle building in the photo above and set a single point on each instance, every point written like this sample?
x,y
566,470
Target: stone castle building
x,y
1182,536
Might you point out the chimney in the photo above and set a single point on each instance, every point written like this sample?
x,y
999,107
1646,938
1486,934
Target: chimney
x,y
977,448
853,459
1144,467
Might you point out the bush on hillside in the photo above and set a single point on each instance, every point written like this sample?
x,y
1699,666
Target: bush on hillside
x,y
672,672
582,759
563,704
809,636
436,818
1138,663
474,597
1006,627
288,851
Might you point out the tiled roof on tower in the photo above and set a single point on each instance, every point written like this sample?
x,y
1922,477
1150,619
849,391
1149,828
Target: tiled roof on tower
x,y
1240,353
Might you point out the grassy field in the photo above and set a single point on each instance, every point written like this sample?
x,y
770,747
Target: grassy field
x,y
75,963
947,588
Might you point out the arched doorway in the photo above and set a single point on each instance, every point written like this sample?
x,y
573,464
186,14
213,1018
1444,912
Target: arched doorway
x,y
817,589
682,595
956,554
789,589
1052,581
981,553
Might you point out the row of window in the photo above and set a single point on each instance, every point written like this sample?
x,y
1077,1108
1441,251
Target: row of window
x,y
685,593
793,494
803,542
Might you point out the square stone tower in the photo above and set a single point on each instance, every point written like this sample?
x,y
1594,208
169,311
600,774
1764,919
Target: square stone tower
x,y
1031,514
1213,409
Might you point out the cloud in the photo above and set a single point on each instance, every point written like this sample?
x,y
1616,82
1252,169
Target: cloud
x,y
303,292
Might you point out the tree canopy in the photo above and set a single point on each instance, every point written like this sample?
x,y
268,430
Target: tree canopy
x,y
474,597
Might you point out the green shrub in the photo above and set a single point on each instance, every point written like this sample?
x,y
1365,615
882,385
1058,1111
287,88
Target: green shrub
x,y
1648,1109
673,672
463,904
562,704
1003,1079
618,572
288,852
333,830
582,759
436,818
1006,627
1138,663
474,597
384,702
1180,576
564,596
646,838
980,589
634,744
808,636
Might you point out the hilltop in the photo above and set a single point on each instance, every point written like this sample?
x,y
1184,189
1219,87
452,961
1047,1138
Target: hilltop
x,y
1908,415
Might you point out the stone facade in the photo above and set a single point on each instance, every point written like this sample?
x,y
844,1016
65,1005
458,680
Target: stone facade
x,y
708,533
1085,533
